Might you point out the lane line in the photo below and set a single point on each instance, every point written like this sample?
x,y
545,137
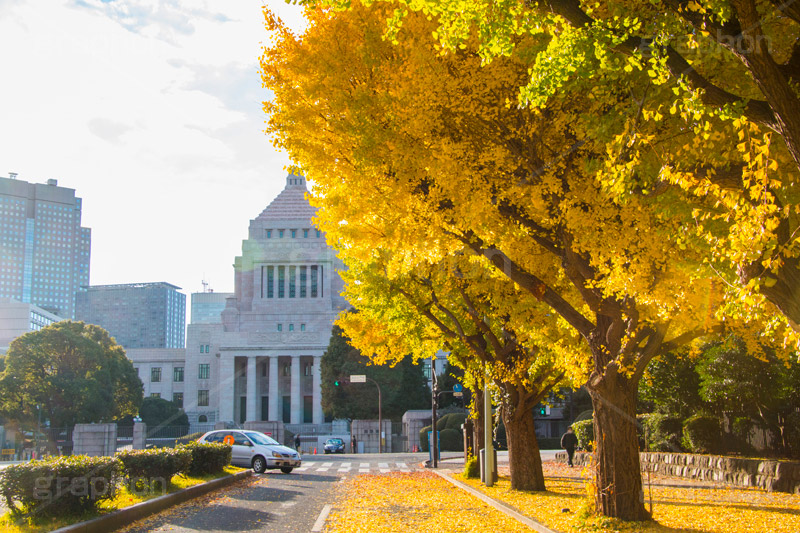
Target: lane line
x,y
364,465
323,515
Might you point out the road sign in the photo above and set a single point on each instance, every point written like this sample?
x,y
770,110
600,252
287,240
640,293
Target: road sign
x,y
458,394
458,387
358,378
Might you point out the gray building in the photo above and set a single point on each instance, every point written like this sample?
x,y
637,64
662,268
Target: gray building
x,y
18,318
207,307
137,315
46,252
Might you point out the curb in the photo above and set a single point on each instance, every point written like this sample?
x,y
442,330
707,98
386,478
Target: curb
x,y
516,515
128,515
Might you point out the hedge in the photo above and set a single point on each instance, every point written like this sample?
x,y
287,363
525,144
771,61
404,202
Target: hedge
x,y
60,485
584,430
451,421
153,469
663,433
702,434
452,440
208,457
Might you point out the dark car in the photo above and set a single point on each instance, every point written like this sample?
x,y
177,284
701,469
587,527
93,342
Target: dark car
x,y
334,446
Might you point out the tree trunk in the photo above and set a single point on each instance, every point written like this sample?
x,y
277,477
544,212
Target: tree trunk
x,y
524,459
477,403
616,452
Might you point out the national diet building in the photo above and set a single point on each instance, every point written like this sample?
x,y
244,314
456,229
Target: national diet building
x,y
261,360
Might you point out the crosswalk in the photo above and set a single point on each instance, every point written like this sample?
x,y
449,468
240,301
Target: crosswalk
x,y
358,467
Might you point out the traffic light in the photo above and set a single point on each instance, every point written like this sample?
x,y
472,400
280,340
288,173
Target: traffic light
x,y
543,410
336,383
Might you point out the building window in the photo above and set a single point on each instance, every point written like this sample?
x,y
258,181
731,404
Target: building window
x,y
155,374
269,234
303,278
280,234
281,280
302,327
155,395
270,282
305,234
280,327
202,398
292,281
202,419
205,371
287,370
177,399
314,271
291,327
264,370
294,234
177,374
307,369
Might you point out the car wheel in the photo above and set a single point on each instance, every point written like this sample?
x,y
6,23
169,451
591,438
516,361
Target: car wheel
x,y
287,469
259,464
326,452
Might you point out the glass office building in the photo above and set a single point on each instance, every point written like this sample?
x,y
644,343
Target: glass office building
x,y
137,315
45,251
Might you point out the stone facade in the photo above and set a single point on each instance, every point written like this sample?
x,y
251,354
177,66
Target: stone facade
x,y
94,439
778,476
261,361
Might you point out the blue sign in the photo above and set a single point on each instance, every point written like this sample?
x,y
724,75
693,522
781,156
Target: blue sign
x,y
458,387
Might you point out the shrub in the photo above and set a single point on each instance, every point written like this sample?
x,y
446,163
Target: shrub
x,y
423,439
663,433
472,468
192,437
451,421
208,457
702,434
154,468
452,440
584,430
793,432
61,485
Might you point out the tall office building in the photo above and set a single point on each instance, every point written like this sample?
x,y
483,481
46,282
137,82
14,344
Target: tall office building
x,y
137,315
207,307
45,251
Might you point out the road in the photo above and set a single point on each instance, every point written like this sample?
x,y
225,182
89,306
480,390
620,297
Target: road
x,y
277,502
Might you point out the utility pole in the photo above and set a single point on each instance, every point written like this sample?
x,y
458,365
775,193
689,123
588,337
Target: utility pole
x,y
434,402
488,460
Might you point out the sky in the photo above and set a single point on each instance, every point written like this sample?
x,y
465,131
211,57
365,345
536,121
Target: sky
x,y
151,111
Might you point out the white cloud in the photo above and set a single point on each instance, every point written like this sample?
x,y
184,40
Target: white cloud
x,y
151,110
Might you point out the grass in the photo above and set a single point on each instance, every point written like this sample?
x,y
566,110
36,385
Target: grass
x,y
124,498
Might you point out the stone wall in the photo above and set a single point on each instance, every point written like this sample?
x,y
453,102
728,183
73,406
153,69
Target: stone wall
x,y
366,431
777,476
94,439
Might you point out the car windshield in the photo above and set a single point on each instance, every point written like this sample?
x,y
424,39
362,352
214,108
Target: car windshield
x,y
335,441
260,438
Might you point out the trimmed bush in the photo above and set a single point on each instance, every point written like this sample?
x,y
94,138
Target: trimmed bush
x,y
423,439
61,485
472,468
452,440
208,457
584,430
451,421
702,434
153,469
663,433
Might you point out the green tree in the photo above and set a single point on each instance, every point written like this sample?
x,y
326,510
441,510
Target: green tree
x,y
68,373
671,385
403,385
160,412
449,377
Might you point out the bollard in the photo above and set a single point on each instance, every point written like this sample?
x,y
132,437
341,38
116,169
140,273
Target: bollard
x,y
315,451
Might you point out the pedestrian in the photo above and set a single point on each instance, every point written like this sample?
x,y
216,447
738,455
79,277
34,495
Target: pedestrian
x,y
297,442
353,444
568,441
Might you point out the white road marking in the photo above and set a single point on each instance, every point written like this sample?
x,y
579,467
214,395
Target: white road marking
x,y
401,465
345,465
323,515
344,470
383,465
301,469
327,464
364,465
323,469
363,470
385,470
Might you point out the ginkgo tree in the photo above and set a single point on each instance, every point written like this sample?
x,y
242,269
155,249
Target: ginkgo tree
x,y
724,72
474,316
418,157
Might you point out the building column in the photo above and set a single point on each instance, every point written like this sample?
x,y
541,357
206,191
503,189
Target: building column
x,y
273,388
226,383
297,400
316,386
251,388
